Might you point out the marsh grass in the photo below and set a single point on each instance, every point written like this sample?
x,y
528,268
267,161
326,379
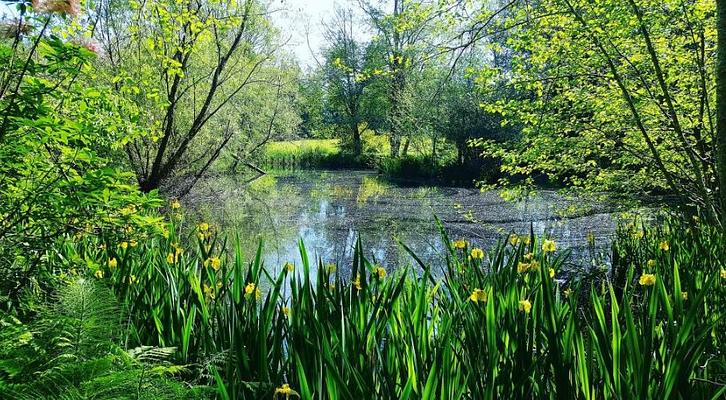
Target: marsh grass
x,y
308,153
506,325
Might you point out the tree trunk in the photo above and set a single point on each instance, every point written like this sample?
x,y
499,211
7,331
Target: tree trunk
x,y
721,106
395,142
357,144
404,151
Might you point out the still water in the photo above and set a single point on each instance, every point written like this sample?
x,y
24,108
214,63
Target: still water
x,y
329,210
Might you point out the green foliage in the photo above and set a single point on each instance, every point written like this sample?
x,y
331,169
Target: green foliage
x,y
206,75
505,323
619,96
71,352
60,138
315,153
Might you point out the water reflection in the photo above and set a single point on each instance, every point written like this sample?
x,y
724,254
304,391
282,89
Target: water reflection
x,y
329,210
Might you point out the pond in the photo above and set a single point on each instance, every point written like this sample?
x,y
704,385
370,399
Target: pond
x,y
330,210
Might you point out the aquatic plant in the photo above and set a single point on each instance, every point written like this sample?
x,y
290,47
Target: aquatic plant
x,y
483,328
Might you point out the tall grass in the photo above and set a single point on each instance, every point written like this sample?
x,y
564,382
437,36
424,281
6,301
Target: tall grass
x,y
308,153
500,324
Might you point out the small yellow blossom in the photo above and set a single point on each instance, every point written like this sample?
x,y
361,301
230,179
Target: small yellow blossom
x,y
723,273
522,267
477,253
647,280
99,274
478,295
285,390
133,243
132,279
332,268
219,284
215,263
289,267
525,306
514,239
203,227
664,245
525,240
637,235
250,288
379,271
549,246
552,272
534,265
73,271
567,292
124,245
528,257
129,229
201,236
285,311
650,263
684,296
175,204
209,292
459,244
170,258
112,263
356,282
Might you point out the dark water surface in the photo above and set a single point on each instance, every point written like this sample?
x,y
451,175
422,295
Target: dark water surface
x,y
330,210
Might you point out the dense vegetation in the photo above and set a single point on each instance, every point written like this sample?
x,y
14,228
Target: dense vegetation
x,y
508,322
108,107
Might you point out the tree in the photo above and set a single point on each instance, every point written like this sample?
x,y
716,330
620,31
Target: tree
x,y
620,96
345,77
407,36
269,113
186,61
312,104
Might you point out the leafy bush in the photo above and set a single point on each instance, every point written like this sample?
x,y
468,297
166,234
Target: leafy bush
x,y
72,352
58,140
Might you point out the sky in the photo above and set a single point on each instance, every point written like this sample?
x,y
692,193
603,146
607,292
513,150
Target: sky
x,y
295,17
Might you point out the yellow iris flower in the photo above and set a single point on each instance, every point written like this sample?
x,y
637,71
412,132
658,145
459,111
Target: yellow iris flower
x,y
525,306
478,295
647,280
549,246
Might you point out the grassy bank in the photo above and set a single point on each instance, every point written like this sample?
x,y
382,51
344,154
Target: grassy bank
x,y
418,165
308,154
500,323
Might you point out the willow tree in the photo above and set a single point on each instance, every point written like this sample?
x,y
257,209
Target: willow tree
x,y
345,77
621,96
186,62
409,33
